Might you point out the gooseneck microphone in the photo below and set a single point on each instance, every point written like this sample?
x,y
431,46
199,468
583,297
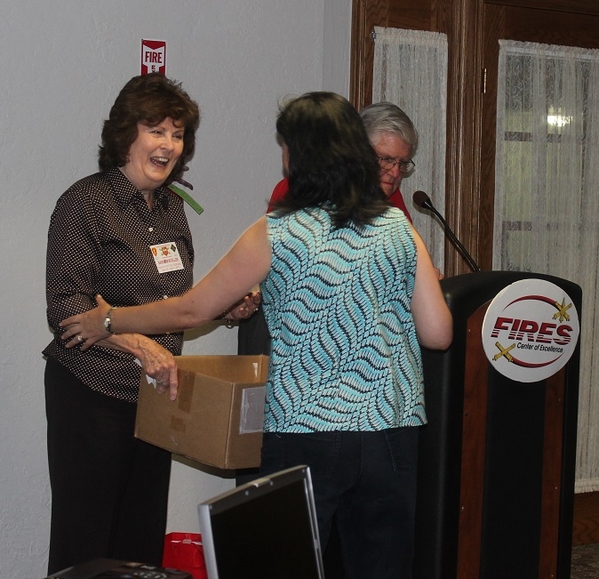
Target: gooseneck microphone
x,y
423,200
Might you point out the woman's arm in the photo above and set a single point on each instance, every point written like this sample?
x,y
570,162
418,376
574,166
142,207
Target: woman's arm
x,y
72,258
245,265
434,323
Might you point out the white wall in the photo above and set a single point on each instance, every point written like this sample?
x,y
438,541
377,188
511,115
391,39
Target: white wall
x,y
61,66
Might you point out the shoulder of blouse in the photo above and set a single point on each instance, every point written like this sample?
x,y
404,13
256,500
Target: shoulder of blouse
x,y
83,195
87,187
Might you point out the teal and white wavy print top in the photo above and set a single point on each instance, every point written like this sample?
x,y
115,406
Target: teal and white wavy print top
x,y
344,354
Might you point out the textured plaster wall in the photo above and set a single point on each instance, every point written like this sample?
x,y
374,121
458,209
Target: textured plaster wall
x,y
61,66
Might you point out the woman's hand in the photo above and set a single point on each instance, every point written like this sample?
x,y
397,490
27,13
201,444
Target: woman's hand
x,y
245,308
87,328
158,363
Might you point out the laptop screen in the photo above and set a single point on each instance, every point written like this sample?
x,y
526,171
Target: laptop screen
x,y
265,528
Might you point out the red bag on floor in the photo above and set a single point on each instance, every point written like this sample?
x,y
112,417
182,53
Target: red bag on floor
x,y
184,551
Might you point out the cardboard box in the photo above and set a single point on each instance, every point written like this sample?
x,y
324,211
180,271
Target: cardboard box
x,y
218,415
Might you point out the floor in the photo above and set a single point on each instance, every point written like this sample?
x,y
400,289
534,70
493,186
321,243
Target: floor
x,y
585,561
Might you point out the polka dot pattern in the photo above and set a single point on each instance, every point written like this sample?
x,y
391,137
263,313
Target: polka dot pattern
x,y
99,243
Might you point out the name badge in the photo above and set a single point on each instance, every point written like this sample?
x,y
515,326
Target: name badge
x,y
166,257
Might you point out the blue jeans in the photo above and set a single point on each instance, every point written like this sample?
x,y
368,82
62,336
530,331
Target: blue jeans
x,y
368,479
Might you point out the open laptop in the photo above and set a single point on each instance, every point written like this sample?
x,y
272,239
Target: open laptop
x,y
263,529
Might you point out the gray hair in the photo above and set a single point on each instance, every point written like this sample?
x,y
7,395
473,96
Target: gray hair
x,y
385,117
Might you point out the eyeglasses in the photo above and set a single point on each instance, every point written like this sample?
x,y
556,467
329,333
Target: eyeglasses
x,y
388,163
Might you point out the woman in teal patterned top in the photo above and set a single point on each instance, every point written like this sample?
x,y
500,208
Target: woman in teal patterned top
x,y
349,295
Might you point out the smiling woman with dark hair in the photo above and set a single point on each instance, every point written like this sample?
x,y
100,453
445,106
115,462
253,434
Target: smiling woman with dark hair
x,y
110,490
349,296
148,99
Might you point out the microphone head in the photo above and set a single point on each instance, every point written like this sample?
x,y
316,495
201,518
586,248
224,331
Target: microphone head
x,y
422,200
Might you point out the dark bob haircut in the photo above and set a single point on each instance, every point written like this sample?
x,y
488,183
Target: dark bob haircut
x,y
331,161
148,99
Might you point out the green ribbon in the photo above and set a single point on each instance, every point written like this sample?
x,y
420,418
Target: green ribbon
x,y
187,198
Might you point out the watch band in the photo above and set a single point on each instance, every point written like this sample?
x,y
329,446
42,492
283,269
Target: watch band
x,y
108,321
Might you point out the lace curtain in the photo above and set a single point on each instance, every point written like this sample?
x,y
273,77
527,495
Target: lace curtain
x,y
547,195
410,70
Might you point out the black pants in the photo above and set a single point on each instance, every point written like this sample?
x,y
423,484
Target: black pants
x,y
109,489
368,481
253,337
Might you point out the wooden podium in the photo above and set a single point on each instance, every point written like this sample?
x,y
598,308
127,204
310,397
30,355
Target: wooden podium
x,y
497,458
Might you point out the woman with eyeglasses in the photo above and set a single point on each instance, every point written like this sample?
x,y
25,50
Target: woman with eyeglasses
x,y
394,138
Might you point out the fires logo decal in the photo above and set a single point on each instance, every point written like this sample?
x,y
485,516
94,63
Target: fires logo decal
x,y
530,330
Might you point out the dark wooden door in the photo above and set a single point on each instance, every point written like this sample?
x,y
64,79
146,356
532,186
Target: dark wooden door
x,y
561,22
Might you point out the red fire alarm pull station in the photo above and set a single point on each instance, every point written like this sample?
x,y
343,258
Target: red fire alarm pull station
x,y
153,56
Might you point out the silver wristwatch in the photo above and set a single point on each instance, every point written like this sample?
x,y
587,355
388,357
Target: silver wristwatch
x,y
108,321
